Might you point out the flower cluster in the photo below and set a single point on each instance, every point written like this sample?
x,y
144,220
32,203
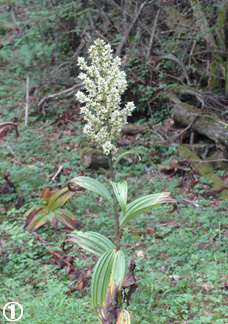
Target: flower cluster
x,y
104,83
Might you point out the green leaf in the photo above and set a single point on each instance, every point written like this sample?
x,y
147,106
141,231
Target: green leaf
x,y
93,185
93,242
122,155
106,282
117,274
100,280
120,190
123,317
51,212
142,204
59,198
65,217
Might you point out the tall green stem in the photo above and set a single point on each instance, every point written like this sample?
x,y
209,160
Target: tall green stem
x,y
117,224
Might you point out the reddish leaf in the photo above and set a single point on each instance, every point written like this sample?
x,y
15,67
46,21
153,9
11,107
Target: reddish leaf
x,y
51,212
5,127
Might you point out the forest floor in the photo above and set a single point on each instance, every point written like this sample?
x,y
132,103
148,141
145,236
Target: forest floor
x,y
181,257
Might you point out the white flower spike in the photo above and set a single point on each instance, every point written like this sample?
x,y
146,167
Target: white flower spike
x,y
104,83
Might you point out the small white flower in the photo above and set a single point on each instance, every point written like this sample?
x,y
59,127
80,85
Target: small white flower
x,y
104,83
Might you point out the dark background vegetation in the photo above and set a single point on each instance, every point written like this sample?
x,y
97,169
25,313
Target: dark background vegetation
x,y
170,50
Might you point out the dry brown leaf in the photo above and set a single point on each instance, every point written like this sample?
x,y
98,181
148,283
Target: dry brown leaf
x,y
175,277
140,254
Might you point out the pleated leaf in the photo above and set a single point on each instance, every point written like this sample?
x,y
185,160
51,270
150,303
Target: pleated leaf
x,y
100,280
65,217
117,274
6,126
51,212
92,185
120,190
122,155
142,204
36,217
106,283
59,198
93,242
123,317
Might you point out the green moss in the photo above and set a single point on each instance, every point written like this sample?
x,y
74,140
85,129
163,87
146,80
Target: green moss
x,y
203,169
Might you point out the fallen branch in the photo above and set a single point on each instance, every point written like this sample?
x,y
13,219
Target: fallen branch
x,y
206,124
184,130
59,257
55,96
57,173
208,161
15,155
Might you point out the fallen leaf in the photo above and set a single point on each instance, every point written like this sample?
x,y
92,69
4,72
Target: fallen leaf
x,y
175,277
140,254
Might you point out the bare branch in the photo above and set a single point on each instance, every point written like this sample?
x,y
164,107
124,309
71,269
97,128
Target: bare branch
x,y
14,154
153,33
53,96
129,28
27,101
57,173
175,59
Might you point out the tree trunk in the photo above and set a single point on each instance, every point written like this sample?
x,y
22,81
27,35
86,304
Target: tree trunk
x,y
205,124
132,129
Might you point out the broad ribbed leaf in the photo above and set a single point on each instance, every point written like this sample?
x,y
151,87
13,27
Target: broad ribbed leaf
x,y
122,155
59,198
92,185
106,282
35,219
117,274
93,242
5,127
142,204
120,190
123,317
100,280
65,217
51,212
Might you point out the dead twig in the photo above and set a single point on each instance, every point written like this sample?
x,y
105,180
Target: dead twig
x,y
59,257
57,173
208,161
114,4
96,31
55,96
78,50
27,101
189,126
14,154
129,28
153,33
175,59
